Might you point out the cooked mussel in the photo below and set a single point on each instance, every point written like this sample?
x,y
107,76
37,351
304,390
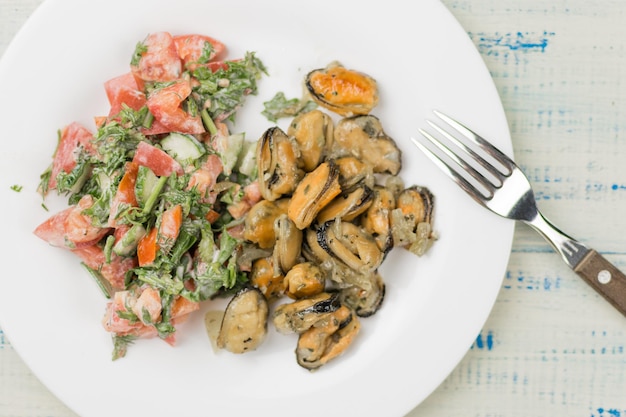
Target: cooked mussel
x,y
304,280
311,249
347,205
366,295
351,245
259,222
279,165
313,132
244,325
298,316
376,220
323,342
344,91
263,276
288,243
313,193
364,138
353,172
417,204
411,222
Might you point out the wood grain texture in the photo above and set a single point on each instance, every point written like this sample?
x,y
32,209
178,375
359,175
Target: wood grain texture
x,y
552,345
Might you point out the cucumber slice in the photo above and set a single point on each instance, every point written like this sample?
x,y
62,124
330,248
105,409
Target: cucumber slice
x,y
127,245
229,148
183,148
246,163
144,186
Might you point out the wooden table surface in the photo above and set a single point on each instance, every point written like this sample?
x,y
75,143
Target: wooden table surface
x,y
551,345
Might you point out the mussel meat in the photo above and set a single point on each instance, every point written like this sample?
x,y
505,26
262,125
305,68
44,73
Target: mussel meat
x,y
304,280
347,205
263,276
353,172
244,325
288,243
259,222
313,132
351,245
366,296
311,249
411,222
321,343
344,91
376,220
364,138
298,316
313,193
417,203
279,164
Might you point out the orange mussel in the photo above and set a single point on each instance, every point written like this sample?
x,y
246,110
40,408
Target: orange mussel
x,y
344,91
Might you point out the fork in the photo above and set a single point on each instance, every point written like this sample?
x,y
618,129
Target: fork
x,y
504,189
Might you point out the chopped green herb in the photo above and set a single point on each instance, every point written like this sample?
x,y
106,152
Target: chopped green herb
x,y
120,345
279,106
140,49
222,92
17,188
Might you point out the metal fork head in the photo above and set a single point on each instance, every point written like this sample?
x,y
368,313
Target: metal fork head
x,y
483,171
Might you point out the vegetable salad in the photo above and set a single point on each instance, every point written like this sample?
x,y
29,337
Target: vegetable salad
x,y
158,192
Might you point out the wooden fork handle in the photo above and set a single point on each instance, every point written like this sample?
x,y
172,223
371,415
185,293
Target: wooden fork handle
x,y
605,278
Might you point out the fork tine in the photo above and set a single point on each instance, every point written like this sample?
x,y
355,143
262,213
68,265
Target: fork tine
x,y
486,146
491,169
451,172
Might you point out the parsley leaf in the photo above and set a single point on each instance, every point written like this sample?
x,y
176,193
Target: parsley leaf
x,y
140,49
279,106
120,345
222,92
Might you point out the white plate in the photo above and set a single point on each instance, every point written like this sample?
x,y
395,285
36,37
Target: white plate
x,y
52,74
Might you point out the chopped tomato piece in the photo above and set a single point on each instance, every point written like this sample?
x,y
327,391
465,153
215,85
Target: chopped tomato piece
x,y
162,236
181,307
239,209
205,178
114,271
236,231
112,322
73,137
251,196
125,195
171,221
252,192
79,227
165,104
124,90
192,49
53,229
159,61
71,228
99,121
148,248
212,216
148,301
157,160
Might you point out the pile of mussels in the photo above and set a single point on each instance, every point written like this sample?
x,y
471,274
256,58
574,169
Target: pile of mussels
x,y
333,206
